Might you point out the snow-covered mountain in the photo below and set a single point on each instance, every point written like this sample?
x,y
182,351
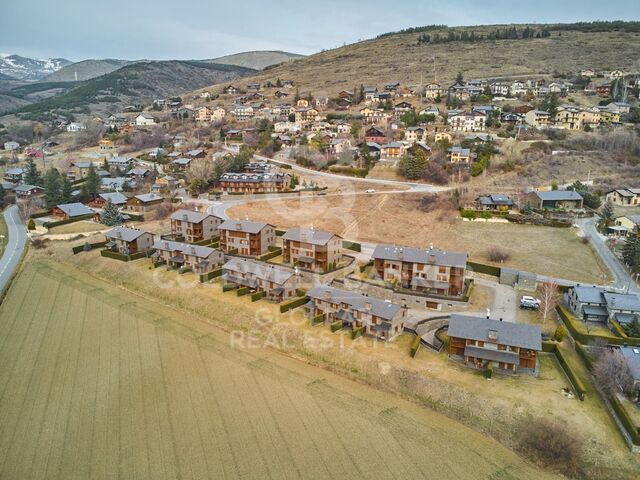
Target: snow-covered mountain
x,y
30,69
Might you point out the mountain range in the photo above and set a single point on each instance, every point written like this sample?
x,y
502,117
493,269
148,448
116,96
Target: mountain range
x,y
29,69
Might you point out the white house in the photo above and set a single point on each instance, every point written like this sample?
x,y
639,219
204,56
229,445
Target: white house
x,y
76,127
144,119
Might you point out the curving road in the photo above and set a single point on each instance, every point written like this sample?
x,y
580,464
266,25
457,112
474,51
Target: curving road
x,y
15,245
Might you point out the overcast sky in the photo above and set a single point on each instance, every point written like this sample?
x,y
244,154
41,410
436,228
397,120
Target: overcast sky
x,y
196,29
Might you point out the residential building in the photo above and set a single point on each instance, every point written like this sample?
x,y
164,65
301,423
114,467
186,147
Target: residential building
x,y
242,112
145,120
311,249
252,183
143,202
596,304
76,127
494,201
555,199
128,240
306,115
376,135
427,271
473,121
202,114
505,346
194,226
379,318
460,155
276,282
116,198
537,118
11,145
433,91
246,237
218,114
415,134
623,197
14,175
632,358
66,211
198,259
568,117
626,224
28,191
123,163
392,150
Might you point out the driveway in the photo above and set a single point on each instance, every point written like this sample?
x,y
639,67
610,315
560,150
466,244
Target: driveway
x,y
15,245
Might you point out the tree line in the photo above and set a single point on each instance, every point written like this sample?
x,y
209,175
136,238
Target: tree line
x,y
499,34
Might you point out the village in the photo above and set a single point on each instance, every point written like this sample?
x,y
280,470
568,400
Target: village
x,y
159,186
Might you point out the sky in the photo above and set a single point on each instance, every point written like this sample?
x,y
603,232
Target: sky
x,y
196,29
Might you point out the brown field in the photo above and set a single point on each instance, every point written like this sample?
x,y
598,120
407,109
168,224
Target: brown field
x,y
99,383
389,218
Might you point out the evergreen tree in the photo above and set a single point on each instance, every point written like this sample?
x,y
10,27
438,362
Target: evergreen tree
x,y
32,174
66,190
460,77
111,216
361,95
412,167
631,250
607,213
2,196
52,188
92,182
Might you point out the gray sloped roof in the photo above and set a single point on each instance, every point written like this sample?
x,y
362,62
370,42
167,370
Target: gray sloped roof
x,y
632,356
559,195
243,226
417,255
512,334
75,209
379,308
492,355
622,301
190,216
116,198
308,235
589,294
124,233
263,271
148,197
495,199
184,248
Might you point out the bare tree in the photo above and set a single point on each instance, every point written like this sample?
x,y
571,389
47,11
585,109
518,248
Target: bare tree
x,y
548,294
26,207
612,373
200,170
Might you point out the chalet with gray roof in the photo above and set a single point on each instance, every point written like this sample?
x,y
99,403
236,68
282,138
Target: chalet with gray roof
x,y
198,259
143,202
252,183
66,211
379,318
422,270
117,198
245,237
128,241
595,304
624,197
555,200
14,175
632,359
28,191
480,342
312,249
194,226
276,282
494,201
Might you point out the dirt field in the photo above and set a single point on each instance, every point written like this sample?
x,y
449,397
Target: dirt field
x,y
97,383
388,219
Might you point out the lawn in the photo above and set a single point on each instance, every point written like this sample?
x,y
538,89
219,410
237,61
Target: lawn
x,y
389,218
100,383
4,234
82,226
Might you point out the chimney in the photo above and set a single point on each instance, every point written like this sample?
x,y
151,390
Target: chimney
x,y
238,226
492,335
327,295
185,217
193,250
367,306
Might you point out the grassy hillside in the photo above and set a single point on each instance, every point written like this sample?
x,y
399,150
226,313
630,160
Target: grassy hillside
x,y
140,82
257,59
399,57
87,69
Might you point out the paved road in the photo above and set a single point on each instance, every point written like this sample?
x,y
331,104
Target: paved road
x,y
15,245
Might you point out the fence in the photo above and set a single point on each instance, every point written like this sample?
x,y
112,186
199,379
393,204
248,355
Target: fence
x,y
576,383
205,277
483,268
81,248
57,223
295,303
348,245
585,338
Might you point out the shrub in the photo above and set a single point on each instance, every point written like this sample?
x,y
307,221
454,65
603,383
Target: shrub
x,y
38,243
497,254
31,225
337,325
560,333
585,240
550,443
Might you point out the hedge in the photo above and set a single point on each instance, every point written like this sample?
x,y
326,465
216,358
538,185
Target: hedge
x,y
80,248
337,325
355,246
114,255
488,372
584,354
159,263
415,345
295,303
135,217
270,255
577,384
626,420
137,255
228,286
39,214
569,321
257,296
483,268
183,270
206,241
317,319
357,332
242,291
617,329
301,292
366,265
66,221
205,277
280,233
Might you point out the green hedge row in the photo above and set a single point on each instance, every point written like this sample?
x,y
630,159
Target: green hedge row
x,y
135,217
617,329
295,303
159,263
626,420
584,354
80,248
488,372
270,255
483,268
183,270
577,384
257,296
39,214
357,332
114,255
337,325
205,277
415,345
570,322
280,232
57,223
228,286
355,246
242,291
366,265
317,320
301,292
137,255
273,248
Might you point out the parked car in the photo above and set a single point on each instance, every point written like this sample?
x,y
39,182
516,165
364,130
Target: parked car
x,y
529,303
371,190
